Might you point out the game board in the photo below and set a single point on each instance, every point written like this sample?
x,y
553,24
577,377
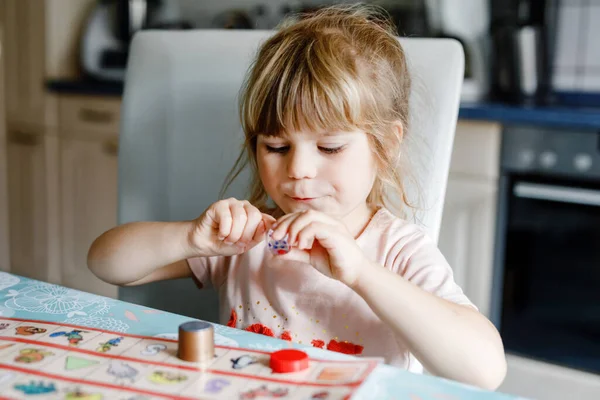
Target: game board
x,y
45,360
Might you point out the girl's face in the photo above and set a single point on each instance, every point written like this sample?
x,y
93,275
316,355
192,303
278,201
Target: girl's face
x,y
329,172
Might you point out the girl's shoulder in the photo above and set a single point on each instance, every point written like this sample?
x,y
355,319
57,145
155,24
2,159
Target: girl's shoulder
x,y
391,234
398,244
386,222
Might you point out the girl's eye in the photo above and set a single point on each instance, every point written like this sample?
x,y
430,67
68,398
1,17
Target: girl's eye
x,y
277,149
331,150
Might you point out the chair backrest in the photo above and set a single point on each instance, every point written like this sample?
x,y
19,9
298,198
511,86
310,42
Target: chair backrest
x,y
180,133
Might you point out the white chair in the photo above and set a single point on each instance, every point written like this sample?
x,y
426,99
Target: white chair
x,y
180,134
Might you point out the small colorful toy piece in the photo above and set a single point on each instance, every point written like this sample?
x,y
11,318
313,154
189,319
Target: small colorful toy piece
x,y
196,342
277,247
288,360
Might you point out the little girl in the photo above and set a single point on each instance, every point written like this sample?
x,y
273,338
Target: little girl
x,y
324,110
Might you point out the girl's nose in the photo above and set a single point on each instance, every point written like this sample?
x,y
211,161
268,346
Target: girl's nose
x,y
301,165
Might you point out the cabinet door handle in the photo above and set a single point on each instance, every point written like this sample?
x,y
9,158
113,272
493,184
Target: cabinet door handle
x,y
95,116
23,138
111,147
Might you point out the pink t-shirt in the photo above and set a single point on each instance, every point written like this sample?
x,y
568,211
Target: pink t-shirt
x,y
289,299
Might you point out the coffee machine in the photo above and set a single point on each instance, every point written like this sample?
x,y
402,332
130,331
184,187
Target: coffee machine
x,y
523,45
110,28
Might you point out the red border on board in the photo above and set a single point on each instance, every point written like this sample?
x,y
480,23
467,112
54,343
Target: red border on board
x,y
92,383
169,340
353,385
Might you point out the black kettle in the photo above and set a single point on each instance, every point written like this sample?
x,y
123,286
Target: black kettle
x,y
522,55
521,66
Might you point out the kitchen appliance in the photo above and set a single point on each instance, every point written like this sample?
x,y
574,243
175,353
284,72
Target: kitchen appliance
x,y
442,18
470,26
523,42
546,295
112,24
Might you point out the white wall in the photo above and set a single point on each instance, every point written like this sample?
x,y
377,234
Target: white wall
x,y
577,66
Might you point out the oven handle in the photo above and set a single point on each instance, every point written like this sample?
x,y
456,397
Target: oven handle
x,y
559,194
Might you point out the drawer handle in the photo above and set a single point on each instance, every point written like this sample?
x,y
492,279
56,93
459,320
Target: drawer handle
x,y
111,147
23,138
95,116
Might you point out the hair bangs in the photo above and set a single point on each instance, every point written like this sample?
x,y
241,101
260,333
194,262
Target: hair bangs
x,y
305,89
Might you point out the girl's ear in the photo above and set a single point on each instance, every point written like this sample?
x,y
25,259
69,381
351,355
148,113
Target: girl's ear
x,y
399,130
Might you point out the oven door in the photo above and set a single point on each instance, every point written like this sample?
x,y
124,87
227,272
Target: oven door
x,y
549,301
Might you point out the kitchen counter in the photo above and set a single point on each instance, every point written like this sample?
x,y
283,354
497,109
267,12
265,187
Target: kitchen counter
x,y
574,117
554,116
85,87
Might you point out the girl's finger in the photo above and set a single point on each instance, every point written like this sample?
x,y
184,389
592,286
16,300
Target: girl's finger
x,y
306,239
300,223
317,231
303,220
239,218
259,234
254,220
265,224
224,219
307,236
269,220
282,225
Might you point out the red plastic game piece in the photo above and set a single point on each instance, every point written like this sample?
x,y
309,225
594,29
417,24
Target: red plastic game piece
x,y
288,360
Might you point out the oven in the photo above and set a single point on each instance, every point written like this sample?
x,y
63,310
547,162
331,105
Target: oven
x,y
546,293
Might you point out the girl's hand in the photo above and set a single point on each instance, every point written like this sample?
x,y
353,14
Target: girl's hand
x,y
229,227
330,248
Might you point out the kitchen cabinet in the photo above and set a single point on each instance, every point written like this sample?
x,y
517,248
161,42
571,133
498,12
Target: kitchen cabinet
x,y
467,236
88,170
41,42
24,26
88,207
31,143
61,150
468,222
63,192
33,204
4,230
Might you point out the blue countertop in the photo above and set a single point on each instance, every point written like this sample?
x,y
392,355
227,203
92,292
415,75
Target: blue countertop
x,y
575,116
556,116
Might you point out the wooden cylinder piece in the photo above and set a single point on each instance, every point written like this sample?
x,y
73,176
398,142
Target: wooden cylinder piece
x,y
196,342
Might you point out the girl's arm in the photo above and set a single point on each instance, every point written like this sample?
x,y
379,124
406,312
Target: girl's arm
x,y
142,252
451,340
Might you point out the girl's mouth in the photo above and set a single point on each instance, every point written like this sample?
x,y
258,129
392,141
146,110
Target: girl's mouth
x,y
303,199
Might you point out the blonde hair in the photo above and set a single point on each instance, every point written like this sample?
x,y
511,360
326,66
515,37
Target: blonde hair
x,y
339,68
